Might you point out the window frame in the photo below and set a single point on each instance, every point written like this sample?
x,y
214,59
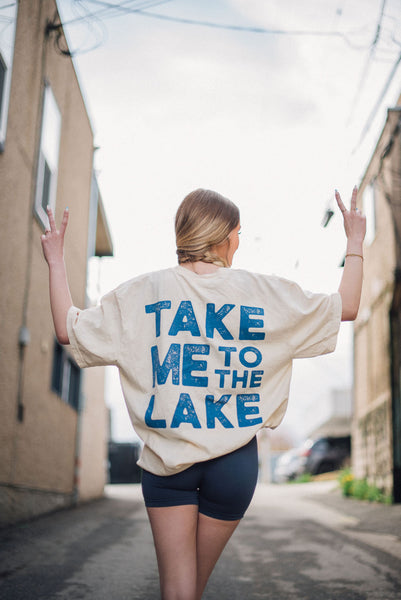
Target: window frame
x,y
7,45
47,165
66,377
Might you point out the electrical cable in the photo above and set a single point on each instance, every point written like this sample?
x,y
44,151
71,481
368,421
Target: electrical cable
x,y
367,64
378,103
10,5
110,10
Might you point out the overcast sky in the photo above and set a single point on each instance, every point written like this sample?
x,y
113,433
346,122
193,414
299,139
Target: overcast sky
x,y
273,121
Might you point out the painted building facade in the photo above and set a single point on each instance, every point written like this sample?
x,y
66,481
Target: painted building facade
x,y
376,435
54,422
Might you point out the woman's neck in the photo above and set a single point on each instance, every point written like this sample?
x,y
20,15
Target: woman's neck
x,y
200,268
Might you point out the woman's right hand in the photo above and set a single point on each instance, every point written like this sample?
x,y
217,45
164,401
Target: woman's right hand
x,y
53,239
354,220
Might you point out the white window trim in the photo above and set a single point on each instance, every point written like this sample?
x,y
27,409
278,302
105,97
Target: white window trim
x,y
40,212
8,64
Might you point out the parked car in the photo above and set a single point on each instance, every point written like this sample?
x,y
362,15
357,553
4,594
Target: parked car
x,y
325,454
288,466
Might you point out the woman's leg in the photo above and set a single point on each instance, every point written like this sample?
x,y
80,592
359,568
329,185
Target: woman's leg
x,y
188,545
174,531
227,488
212,537
189,539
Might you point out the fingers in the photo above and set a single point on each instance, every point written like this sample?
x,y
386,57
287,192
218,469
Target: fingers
x,y
340,202
353,198
64,222
52,222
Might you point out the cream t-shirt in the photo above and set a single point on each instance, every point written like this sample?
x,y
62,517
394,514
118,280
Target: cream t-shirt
x,y
205,360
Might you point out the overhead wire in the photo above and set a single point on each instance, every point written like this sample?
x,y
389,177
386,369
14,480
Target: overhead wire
x,y
378,102
9,5
111,9
139,7
93,20
368,62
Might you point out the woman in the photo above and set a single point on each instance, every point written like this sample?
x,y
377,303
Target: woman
x,y
205,355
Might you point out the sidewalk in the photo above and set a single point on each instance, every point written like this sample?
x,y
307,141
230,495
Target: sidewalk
x,y
377,525
372,516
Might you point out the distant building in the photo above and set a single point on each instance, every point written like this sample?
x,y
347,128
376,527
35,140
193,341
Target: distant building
x,y
123,457
53,425
338,417
376,435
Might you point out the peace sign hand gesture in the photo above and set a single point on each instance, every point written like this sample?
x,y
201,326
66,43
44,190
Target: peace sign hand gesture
x,y
53,239
354,220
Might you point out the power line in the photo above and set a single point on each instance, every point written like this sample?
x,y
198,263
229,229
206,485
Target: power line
x,y
366,66
111,10
378,103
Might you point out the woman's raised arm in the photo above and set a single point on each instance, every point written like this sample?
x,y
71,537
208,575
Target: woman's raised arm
x,y
351,281
60,297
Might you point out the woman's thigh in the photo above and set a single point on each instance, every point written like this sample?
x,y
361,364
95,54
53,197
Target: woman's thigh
x,y
174,531
228,483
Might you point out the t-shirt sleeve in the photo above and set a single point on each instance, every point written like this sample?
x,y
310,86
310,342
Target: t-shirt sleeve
x,y
316,324
313,320
95,333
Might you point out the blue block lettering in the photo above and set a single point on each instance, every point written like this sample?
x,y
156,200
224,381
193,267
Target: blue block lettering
x,y
246,323
185,413
157,308
189,365
170,363
185,320
154,423
222,373
243,410
214,411
214,320
256,378
248,363
237,378
227,354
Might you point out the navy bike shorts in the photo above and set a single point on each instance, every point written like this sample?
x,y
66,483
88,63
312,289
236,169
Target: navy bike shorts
x,y
222,487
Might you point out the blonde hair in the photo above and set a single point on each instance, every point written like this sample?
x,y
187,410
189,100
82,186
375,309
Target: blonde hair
x,y
204,220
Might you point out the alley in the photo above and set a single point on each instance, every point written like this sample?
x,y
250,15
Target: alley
x,y
302,542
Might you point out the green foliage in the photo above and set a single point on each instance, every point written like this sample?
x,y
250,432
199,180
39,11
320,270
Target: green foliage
x,y
346,480
304,478
361,489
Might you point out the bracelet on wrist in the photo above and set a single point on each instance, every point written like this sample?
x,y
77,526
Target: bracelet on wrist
x,y
353,254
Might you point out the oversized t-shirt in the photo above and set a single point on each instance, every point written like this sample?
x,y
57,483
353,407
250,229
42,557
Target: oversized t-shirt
x,y
205,360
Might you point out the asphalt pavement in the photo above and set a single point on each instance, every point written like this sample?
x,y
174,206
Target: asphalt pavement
x,y
297,542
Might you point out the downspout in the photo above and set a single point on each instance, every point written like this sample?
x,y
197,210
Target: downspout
x,y
394,202
93,203
395,366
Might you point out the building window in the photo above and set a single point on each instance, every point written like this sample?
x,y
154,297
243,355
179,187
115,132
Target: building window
x,y
46,180
369,209
66,376
8,19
